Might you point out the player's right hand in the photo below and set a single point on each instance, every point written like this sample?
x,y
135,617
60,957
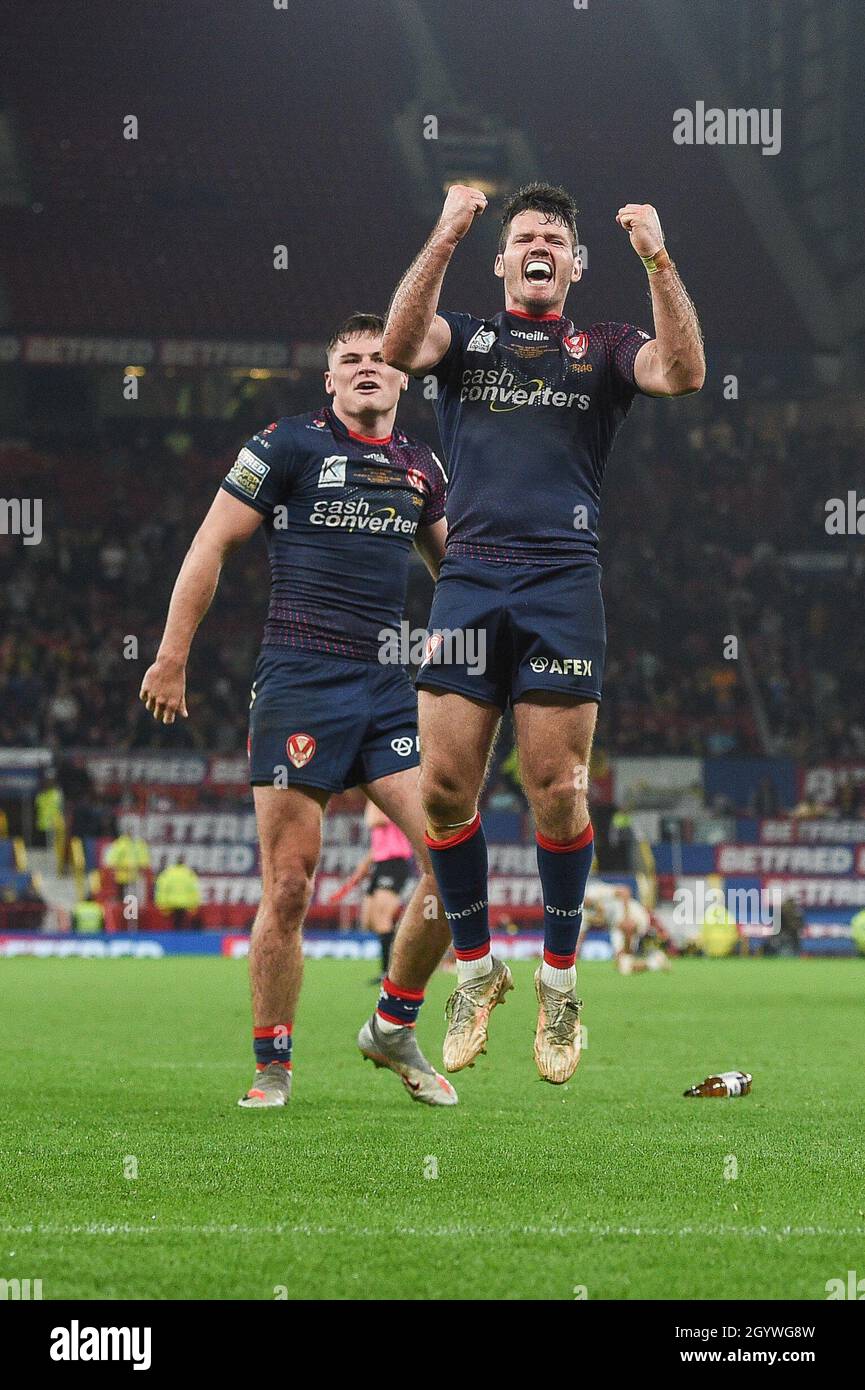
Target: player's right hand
x,y
462,205
163,691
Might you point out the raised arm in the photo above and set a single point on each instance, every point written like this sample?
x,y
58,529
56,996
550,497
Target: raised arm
x,y
228,524
673,362
415,336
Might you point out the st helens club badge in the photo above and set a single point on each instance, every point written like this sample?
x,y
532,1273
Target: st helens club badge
x,y
300,748
577,344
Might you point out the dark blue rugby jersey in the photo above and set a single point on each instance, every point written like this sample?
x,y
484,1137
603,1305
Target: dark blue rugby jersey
x,y
342,512
528,409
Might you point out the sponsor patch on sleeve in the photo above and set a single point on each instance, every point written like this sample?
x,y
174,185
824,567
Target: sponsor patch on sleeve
x,y
248,472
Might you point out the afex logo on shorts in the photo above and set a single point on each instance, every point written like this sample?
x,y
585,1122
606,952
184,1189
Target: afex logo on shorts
x,y
567,666
300,748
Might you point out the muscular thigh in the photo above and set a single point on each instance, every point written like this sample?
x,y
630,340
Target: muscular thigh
x,y
289,823
456,736
554,740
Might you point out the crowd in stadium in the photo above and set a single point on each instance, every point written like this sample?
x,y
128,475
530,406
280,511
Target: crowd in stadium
x,y
701,524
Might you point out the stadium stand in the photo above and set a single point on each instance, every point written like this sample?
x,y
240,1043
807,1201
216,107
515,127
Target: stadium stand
x,y
108,559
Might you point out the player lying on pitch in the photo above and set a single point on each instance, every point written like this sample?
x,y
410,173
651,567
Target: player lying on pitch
x,y
528,407
390,865
635,935
342,495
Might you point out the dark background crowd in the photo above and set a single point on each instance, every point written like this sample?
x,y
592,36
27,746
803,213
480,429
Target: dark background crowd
x,y
152,210
713,527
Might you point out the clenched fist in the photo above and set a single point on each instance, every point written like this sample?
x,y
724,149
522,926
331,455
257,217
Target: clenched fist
x,y
461,207
163,691
642,224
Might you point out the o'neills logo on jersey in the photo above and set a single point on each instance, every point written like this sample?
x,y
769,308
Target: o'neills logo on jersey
x,y
300,748
500,388
577,345
358,515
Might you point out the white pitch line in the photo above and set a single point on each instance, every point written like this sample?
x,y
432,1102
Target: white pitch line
x,y
96,1228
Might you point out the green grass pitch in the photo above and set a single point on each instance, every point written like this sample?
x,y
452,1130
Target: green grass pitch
x,y
615,1184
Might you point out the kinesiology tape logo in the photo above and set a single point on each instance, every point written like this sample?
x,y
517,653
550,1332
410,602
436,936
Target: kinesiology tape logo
x,y
501,390
359,516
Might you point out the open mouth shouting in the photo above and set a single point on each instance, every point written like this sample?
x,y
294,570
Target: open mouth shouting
x,y
538,271
368,387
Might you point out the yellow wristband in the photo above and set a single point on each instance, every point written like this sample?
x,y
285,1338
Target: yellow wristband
x,y
659,260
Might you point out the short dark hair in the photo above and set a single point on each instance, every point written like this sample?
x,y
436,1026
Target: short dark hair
x,y
549,198
353,327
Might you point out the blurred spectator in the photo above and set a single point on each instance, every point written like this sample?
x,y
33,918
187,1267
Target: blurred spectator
x,y
791,924
88,917
128,858
848,799
178,893
621,840
48,805
765,802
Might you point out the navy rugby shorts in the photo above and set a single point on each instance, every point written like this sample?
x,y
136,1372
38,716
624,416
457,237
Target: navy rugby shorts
x,y
499,630
323,721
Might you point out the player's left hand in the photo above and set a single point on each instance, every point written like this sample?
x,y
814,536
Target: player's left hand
x,y
641,222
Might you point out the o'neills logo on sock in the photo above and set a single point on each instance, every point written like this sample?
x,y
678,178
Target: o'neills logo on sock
x,y
563,911
77,1343
468,911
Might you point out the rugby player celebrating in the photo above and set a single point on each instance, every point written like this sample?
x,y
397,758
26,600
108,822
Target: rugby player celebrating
x,y
528,408
342,495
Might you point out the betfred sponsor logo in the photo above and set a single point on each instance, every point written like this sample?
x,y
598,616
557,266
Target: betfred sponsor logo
x,y
784,859
819,892
809,832
190,828
300,748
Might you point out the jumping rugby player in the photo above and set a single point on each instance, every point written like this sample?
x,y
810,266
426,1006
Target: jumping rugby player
x,y
528,408
342,495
